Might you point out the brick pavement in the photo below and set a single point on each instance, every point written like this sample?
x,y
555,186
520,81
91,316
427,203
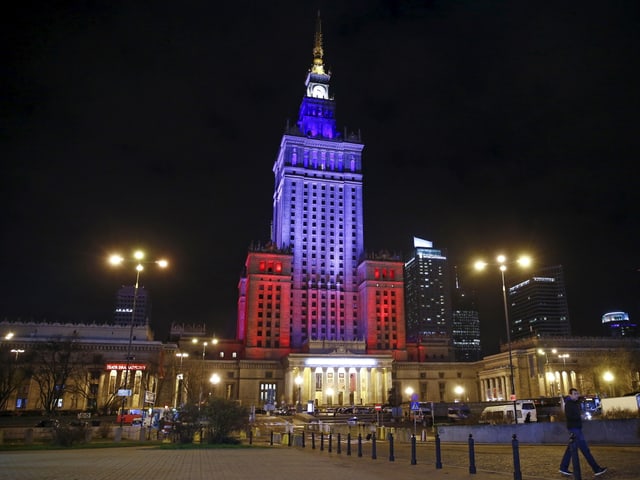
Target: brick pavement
x,y
280,462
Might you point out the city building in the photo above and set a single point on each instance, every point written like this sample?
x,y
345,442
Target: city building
x,y
321,321
311,296
465,325
127,299
427,292
538,305
618,324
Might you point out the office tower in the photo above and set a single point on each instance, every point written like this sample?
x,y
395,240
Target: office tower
x,y
318,221
124,314
466,325
427,293
538,305
618,324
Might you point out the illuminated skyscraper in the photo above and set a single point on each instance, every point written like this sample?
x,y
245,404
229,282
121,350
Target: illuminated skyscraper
x,y
538,305
427,292
317,244
465,326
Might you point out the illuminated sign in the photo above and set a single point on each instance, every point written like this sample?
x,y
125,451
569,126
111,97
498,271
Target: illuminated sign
x,y
340,362
123,366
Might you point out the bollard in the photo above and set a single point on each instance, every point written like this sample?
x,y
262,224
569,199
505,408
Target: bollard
x,y
359,444
373,447
330,441
271,443
349,444
413,450
289,435
438,453
575,460
392,457
321,442
339,444
303,446
313,440
517,474
472,455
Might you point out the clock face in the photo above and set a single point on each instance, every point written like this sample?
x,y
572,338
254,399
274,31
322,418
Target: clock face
x,y
319,91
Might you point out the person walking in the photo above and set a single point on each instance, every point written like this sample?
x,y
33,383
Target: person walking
x,y
573,414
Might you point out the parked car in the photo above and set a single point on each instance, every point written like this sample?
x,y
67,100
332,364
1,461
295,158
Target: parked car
x,y
48,423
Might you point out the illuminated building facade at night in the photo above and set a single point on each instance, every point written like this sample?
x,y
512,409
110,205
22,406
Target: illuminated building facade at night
x,y
313,288
538,305
428,297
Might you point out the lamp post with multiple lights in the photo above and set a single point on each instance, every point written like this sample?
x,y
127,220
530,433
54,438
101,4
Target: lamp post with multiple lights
x,y
17,351
523,261
138,260
180,378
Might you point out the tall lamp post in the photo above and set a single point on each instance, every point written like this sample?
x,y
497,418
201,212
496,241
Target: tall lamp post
x,y
523,261
138,259
180,378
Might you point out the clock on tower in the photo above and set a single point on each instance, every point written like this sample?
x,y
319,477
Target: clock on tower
x,y
317,90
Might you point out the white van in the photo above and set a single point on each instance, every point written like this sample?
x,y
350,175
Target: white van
x,y
503,414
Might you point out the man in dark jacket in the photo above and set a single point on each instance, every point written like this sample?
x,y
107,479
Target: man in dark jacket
x,y
573,413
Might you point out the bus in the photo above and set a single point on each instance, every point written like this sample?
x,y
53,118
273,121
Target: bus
x,y
129,416
503,414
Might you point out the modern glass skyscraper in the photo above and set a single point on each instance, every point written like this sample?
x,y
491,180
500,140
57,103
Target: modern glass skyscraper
x,y
538,305
427,293
465,326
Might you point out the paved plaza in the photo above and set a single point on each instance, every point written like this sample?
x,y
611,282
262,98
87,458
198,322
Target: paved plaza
x,y
282,462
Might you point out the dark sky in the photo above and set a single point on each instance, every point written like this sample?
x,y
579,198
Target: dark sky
x,y
489,126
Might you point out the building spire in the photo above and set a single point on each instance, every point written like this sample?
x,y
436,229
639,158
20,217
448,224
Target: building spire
x,y
318,53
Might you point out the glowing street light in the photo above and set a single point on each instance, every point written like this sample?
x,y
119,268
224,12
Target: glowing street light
x,y
409,391
138,260
523,261
459,391
609,378
214,380
17,351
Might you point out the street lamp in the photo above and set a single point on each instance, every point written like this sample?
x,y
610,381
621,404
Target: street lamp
x,y
523,261
204,353
564,357
549,376
180,378
299,381
17,351
459,391
409,392
608,377
214,380
138,259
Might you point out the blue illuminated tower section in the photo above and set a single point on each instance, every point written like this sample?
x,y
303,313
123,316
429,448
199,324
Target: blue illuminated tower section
x,y
317,215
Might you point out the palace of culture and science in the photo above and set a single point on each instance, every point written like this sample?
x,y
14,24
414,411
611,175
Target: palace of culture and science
x,y
321,321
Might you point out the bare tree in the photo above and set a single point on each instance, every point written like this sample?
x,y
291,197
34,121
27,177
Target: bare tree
x,y
13,372
55,364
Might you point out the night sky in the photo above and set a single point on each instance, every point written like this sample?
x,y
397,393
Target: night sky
x,y
488,126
